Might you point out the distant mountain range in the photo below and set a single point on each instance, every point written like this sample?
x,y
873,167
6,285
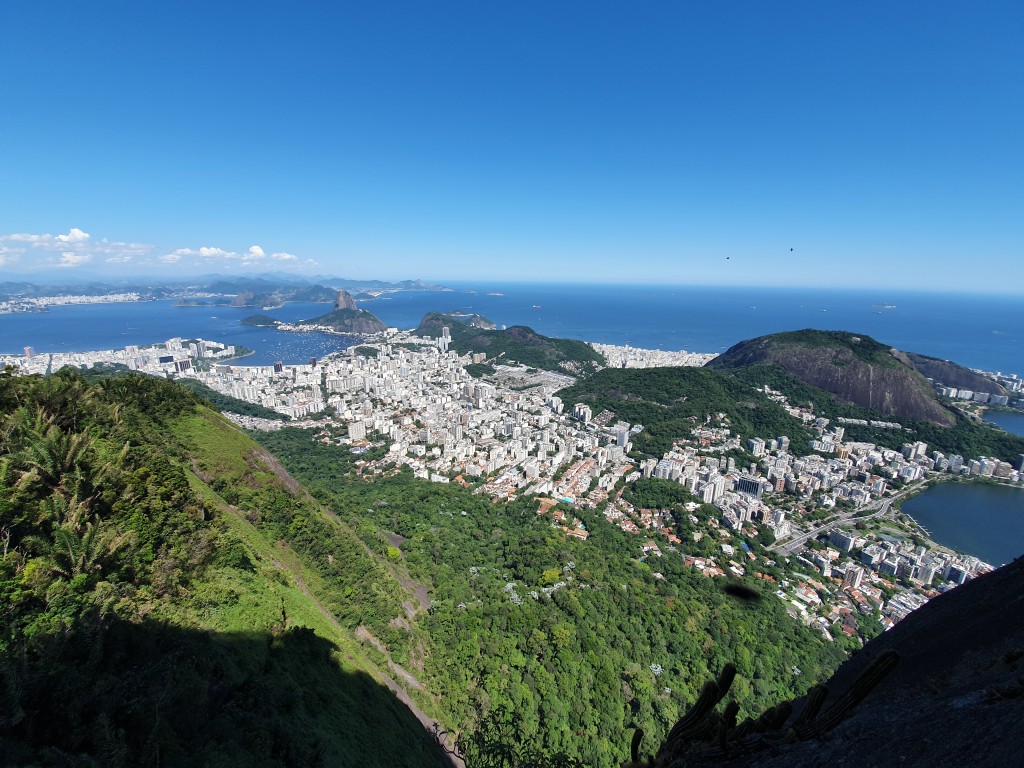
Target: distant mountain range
x,y
264,286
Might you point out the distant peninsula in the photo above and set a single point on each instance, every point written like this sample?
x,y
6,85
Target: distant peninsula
x,y
257,291
345,318
475,333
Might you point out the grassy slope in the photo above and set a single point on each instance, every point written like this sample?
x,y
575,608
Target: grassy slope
x,y
228,654
324,593
559,663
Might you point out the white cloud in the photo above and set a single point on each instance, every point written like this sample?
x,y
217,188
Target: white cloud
x,y
211,253
76,247
50,242
71,259
122,249
75,235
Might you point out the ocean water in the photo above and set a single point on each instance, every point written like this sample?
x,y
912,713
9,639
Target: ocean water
x,y
986,521
978,331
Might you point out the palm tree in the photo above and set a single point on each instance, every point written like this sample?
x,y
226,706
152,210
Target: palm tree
x,y
74,553
55,458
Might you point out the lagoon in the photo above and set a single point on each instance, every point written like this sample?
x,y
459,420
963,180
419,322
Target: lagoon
x,y
982,519
1011,422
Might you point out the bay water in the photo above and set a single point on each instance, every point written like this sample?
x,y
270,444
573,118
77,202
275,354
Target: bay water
x,y
985,332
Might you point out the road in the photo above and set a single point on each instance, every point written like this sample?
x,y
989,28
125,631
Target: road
x,y
876,508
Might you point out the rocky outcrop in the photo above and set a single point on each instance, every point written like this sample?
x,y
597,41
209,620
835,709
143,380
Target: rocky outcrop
x,y
952,375
344,300
855,368
243,299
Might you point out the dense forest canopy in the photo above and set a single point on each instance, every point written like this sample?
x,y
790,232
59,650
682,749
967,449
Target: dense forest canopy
x,y
670,402
585,640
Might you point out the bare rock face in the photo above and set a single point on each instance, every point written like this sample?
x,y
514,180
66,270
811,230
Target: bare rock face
x,y
344,301
856,369
243,299
955,697
953,375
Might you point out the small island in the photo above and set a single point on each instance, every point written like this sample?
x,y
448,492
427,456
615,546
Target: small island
x,y
260,321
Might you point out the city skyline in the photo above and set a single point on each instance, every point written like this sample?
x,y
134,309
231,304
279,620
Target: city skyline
x,y
786,146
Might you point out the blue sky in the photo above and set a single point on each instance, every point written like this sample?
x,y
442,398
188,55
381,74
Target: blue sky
x,y
790,143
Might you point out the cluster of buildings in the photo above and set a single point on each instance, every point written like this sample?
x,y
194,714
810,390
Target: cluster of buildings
x,y
632,357
866,574
172,357
976,397
855,573
40,303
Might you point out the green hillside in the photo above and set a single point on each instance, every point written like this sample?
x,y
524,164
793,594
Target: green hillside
x,y
260,321
862,347
517,344
670,402
966,437
853,367
169,596
357,321
570,644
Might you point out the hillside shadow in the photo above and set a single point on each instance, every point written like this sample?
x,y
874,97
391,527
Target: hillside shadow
x,y
153,694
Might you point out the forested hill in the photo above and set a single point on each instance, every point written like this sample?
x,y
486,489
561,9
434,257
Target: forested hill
x,y
356,321
517,343
855,368
564,645
169,596
670,402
